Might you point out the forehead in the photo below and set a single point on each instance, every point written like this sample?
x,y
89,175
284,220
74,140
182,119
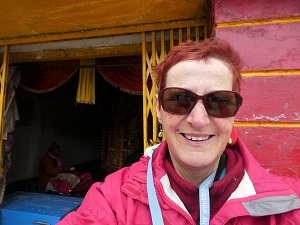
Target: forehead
x,y
199,74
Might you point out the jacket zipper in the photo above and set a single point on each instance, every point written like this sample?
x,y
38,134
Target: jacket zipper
x,y
174,205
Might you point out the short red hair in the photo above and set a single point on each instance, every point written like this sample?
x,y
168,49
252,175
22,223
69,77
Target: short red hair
x,y
191,50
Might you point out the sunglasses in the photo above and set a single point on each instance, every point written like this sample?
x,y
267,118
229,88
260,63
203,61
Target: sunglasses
x,y
220,104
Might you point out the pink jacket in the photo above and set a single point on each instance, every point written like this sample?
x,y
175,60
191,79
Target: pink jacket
x,y
260,199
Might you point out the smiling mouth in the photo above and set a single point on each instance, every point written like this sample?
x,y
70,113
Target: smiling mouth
x,y
192,138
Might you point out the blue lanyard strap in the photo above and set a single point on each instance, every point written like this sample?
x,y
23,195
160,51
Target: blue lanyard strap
x,y
152,197
204,199
155,210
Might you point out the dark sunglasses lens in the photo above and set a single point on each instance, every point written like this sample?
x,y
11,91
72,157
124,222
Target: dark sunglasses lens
x,y
177,101
222,104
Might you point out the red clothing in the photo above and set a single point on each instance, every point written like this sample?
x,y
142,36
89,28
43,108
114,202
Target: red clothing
x,y
48,169
261,198
189,193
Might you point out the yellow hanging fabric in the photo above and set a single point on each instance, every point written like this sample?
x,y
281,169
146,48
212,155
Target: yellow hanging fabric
x,y
86,82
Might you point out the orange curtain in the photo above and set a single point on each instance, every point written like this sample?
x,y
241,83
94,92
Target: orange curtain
x,y
86,82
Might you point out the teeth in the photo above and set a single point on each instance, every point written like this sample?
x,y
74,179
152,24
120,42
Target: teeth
x,y
196,138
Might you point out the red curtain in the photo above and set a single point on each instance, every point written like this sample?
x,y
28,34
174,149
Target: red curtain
x,y
47,76
124,73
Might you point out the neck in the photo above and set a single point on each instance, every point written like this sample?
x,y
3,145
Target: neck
x,y
195,175
52,156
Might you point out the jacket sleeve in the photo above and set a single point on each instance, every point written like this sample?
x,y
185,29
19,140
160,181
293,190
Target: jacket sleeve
x,y
95,209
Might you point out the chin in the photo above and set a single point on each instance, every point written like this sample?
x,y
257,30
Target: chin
x,y
199,162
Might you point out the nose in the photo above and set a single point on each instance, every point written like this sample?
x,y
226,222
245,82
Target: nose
x,y
198,117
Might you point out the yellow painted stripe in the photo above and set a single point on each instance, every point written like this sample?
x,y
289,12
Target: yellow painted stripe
x,y
259,22
268,124
259,73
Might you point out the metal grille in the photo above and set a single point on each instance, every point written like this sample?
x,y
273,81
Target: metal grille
x,y
156,45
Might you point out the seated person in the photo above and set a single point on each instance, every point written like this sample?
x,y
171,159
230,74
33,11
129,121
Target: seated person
x,y
55,176
50,166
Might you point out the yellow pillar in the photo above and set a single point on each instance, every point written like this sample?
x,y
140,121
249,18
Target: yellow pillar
x,y
3,87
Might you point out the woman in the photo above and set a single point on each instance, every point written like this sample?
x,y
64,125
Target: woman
x,y
199,174
50,166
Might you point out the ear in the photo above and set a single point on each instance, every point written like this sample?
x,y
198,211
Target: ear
x,y
158,108
233,136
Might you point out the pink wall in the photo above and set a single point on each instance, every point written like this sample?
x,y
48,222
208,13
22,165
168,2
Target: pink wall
x,y
267,35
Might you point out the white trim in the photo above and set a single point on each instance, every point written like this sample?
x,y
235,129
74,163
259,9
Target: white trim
x,y
244,189
149,151
171,193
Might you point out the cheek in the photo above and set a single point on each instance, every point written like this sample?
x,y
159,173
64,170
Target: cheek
x,y
170,123
170,120
224,126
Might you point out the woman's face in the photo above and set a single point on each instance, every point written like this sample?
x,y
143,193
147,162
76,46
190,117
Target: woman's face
x,y
197,140
56,152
